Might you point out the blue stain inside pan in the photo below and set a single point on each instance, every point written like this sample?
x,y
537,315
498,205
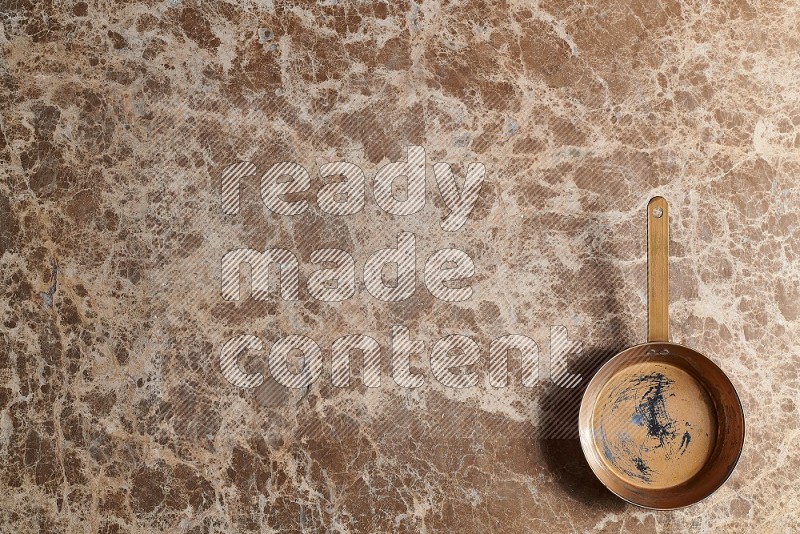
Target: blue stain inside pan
x,y
648,395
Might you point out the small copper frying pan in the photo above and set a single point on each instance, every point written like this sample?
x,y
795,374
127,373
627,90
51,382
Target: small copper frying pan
x,y
660,424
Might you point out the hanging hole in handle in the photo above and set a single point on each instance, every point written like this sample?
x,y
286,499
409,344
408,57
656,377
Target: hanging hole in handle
x,y
658,212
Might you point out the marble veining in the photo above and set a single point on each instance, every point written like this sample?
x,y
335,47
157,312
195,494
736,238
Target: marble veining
x,y
117,122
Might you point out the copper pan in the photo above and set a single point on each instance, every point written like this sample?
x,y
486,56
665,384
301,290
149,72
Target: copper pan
x,y
660,424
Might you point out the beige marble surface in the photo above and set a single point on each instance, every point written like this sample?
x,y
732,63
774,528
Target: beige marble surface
x,y
117,123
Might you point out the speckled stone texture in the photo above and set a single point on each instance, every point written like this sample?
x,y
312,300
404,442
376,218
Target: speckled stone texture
x,y
117,121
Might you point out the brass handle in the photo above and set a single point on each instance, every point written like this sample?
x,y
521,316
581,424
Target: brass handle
x,y
657,270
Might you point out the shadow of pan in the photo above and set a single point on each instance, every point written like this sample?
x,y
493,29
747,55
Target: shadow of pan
x,y
598,287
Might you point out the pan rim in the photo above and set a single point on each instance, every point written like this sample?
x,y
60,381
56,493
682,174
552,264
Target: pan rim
x,y
587,442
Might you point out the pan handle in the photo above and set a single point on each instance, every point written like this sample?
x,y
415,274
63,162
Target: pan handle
x,y
657,270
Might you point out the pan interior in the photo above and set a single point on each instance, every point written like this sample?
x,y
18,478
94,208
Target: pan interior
x,y
654,425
